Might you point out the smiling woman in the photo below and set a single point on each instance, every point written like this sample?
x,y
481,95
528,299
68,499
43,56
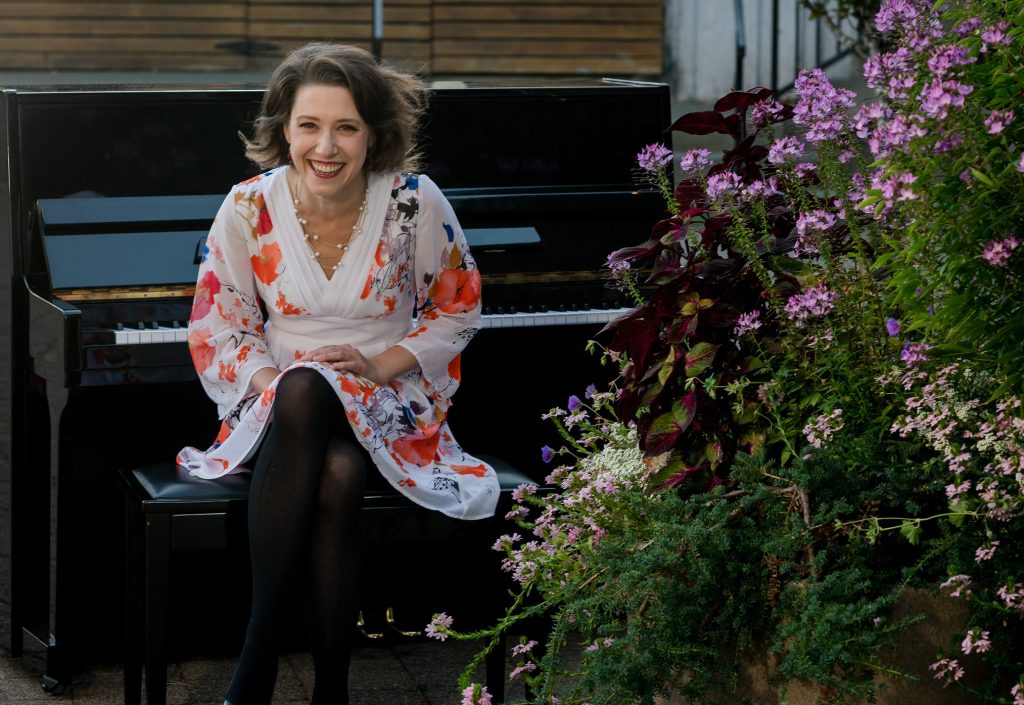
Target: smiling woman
x,y
370,294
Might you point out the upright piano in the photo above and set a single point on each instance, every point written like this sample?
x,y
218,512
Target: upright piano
x,y
110,193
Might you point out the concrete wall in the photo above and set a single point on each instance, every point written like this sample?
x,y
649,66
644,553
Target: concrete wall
x,y
700,46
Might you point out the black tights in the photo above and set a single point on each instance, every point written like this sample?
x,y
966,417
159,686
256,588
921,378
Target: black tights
x,y
307,488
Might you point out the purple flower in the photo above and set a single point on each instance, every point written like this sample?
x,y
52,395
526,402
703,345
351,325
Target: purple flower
x,y
939,96
748,322
808,225
967,26
892,327
654,157
574,402
695,159
546,454
947,57
995,35
439,626
816,301
723,183
766,112
590,391
914,353
784,147
997,121
998,252
1020,164
822,107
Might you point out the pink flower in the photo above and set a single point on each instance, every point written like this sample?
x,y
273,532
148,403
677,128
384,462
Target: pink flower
x,y
998,252
722,183
1020,164
823,428
520,649
748,323
985,553
816,301
995,35
766,112
1017,692
976,640
947,669
654,157
695,159
997,121
439,626
476,694
524,668
914,353
961,583
784,147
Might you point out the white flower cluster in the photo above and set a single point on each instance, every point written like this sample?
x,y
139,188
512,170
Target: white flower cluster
x,y
622,459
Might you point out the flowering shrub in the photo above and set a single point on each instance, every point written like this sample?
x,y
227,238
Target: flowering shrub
x,y
819,398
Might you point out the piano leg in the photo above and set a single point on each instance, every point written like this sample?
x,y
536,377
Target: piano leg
x,y
42,581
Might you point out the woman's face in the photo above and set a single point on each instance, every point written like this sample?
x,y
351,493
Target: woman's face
x,y
327,141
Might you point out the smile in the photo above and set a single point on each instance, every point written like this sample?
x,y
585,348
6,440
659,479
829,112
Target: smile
x,y
326,169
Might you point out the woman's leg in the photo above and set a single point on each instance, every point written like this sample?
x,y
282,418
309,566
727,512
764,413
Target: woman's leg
x,y
335,567
283,504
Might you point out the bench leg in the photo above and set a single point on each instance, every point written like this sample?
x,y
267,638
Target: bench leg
x,y
158,557
134,629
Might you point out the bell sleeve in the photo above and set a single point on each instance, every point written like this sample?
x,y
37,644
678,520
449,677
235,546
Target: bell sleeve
x,y
225,331
447,291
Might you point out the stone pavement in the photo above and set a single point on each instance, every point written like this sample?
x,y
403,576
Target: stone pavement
x,y
411,673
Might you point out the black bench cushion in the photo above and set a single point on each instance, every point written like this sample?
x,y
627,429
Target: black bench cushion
x,y
170,482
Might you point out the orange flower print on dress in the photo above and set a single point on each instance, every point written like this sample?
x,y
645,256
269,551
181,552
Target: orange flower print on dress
x,y
264,224
421,448
199,347
243,353
455,368
457,290
474,470
287,308
226,372
267,398
264,266
206,290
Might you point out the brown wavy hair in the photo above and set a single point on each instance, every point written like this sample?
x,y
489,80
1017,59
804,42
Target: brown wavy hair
x,y
389,101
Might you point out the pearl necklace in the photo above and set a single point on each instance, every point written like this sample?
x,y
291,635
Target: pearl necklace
x,y
310,238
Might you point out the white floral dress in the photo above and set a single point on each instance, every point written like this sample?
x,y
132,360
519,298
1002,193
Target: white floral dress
x,y
408,280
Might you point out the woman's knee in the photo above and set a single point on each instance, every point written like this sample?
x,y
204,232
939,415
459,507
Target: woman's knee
x,y
344,476
304,391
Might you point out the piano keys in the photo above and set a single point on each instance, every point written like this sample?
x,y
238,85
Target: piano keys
x,y
111,194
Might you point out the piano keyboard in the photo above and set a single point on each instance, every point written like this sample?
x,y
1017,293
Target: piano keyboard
x,y
144,333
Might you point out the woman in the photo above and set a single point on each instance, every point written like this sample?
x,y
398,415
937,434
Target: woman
x,y
370,294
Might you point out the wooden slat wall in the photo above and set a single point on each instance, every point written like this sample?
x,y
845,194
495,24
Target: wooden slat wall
x,y
600,37
293,23
552,37
117,34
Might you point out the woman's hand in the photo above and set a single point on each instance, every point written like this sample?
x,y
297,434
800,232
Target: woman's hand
x,y
345,358
381,369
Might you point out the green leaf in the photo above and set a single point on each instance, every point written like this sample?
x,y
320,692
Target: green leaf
x,y
666,367
699,357
982,177
911,530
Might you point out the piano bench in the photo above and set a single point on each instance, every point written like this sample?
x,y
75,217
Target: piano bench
x,y
169,511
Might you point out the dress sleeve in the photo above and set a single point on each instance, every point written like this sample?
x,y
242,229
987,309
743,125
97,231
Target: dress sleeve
x,y
447,291
225,331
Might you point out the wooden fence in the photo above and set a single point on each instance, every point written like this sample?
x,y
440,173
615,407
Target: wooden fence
x,y
540,37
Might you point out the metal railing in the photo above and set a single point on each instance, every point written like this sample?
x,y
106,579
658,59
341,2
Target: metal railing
x,y
799,24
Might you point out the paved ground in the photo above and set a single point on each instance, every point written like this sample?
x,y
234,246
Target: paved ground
x,y
415,673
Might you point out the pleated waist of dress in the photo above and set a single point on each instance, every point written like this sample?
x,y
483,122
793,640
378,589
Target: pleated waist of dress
x,y
288,335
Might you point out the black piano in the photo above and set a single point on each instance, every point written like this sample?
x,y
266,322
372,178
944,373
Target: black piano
x,y
110,192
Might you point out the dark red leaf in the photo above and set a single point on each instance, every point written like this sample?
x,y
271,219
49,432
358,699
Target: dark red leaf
x,y
741,100
702,122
